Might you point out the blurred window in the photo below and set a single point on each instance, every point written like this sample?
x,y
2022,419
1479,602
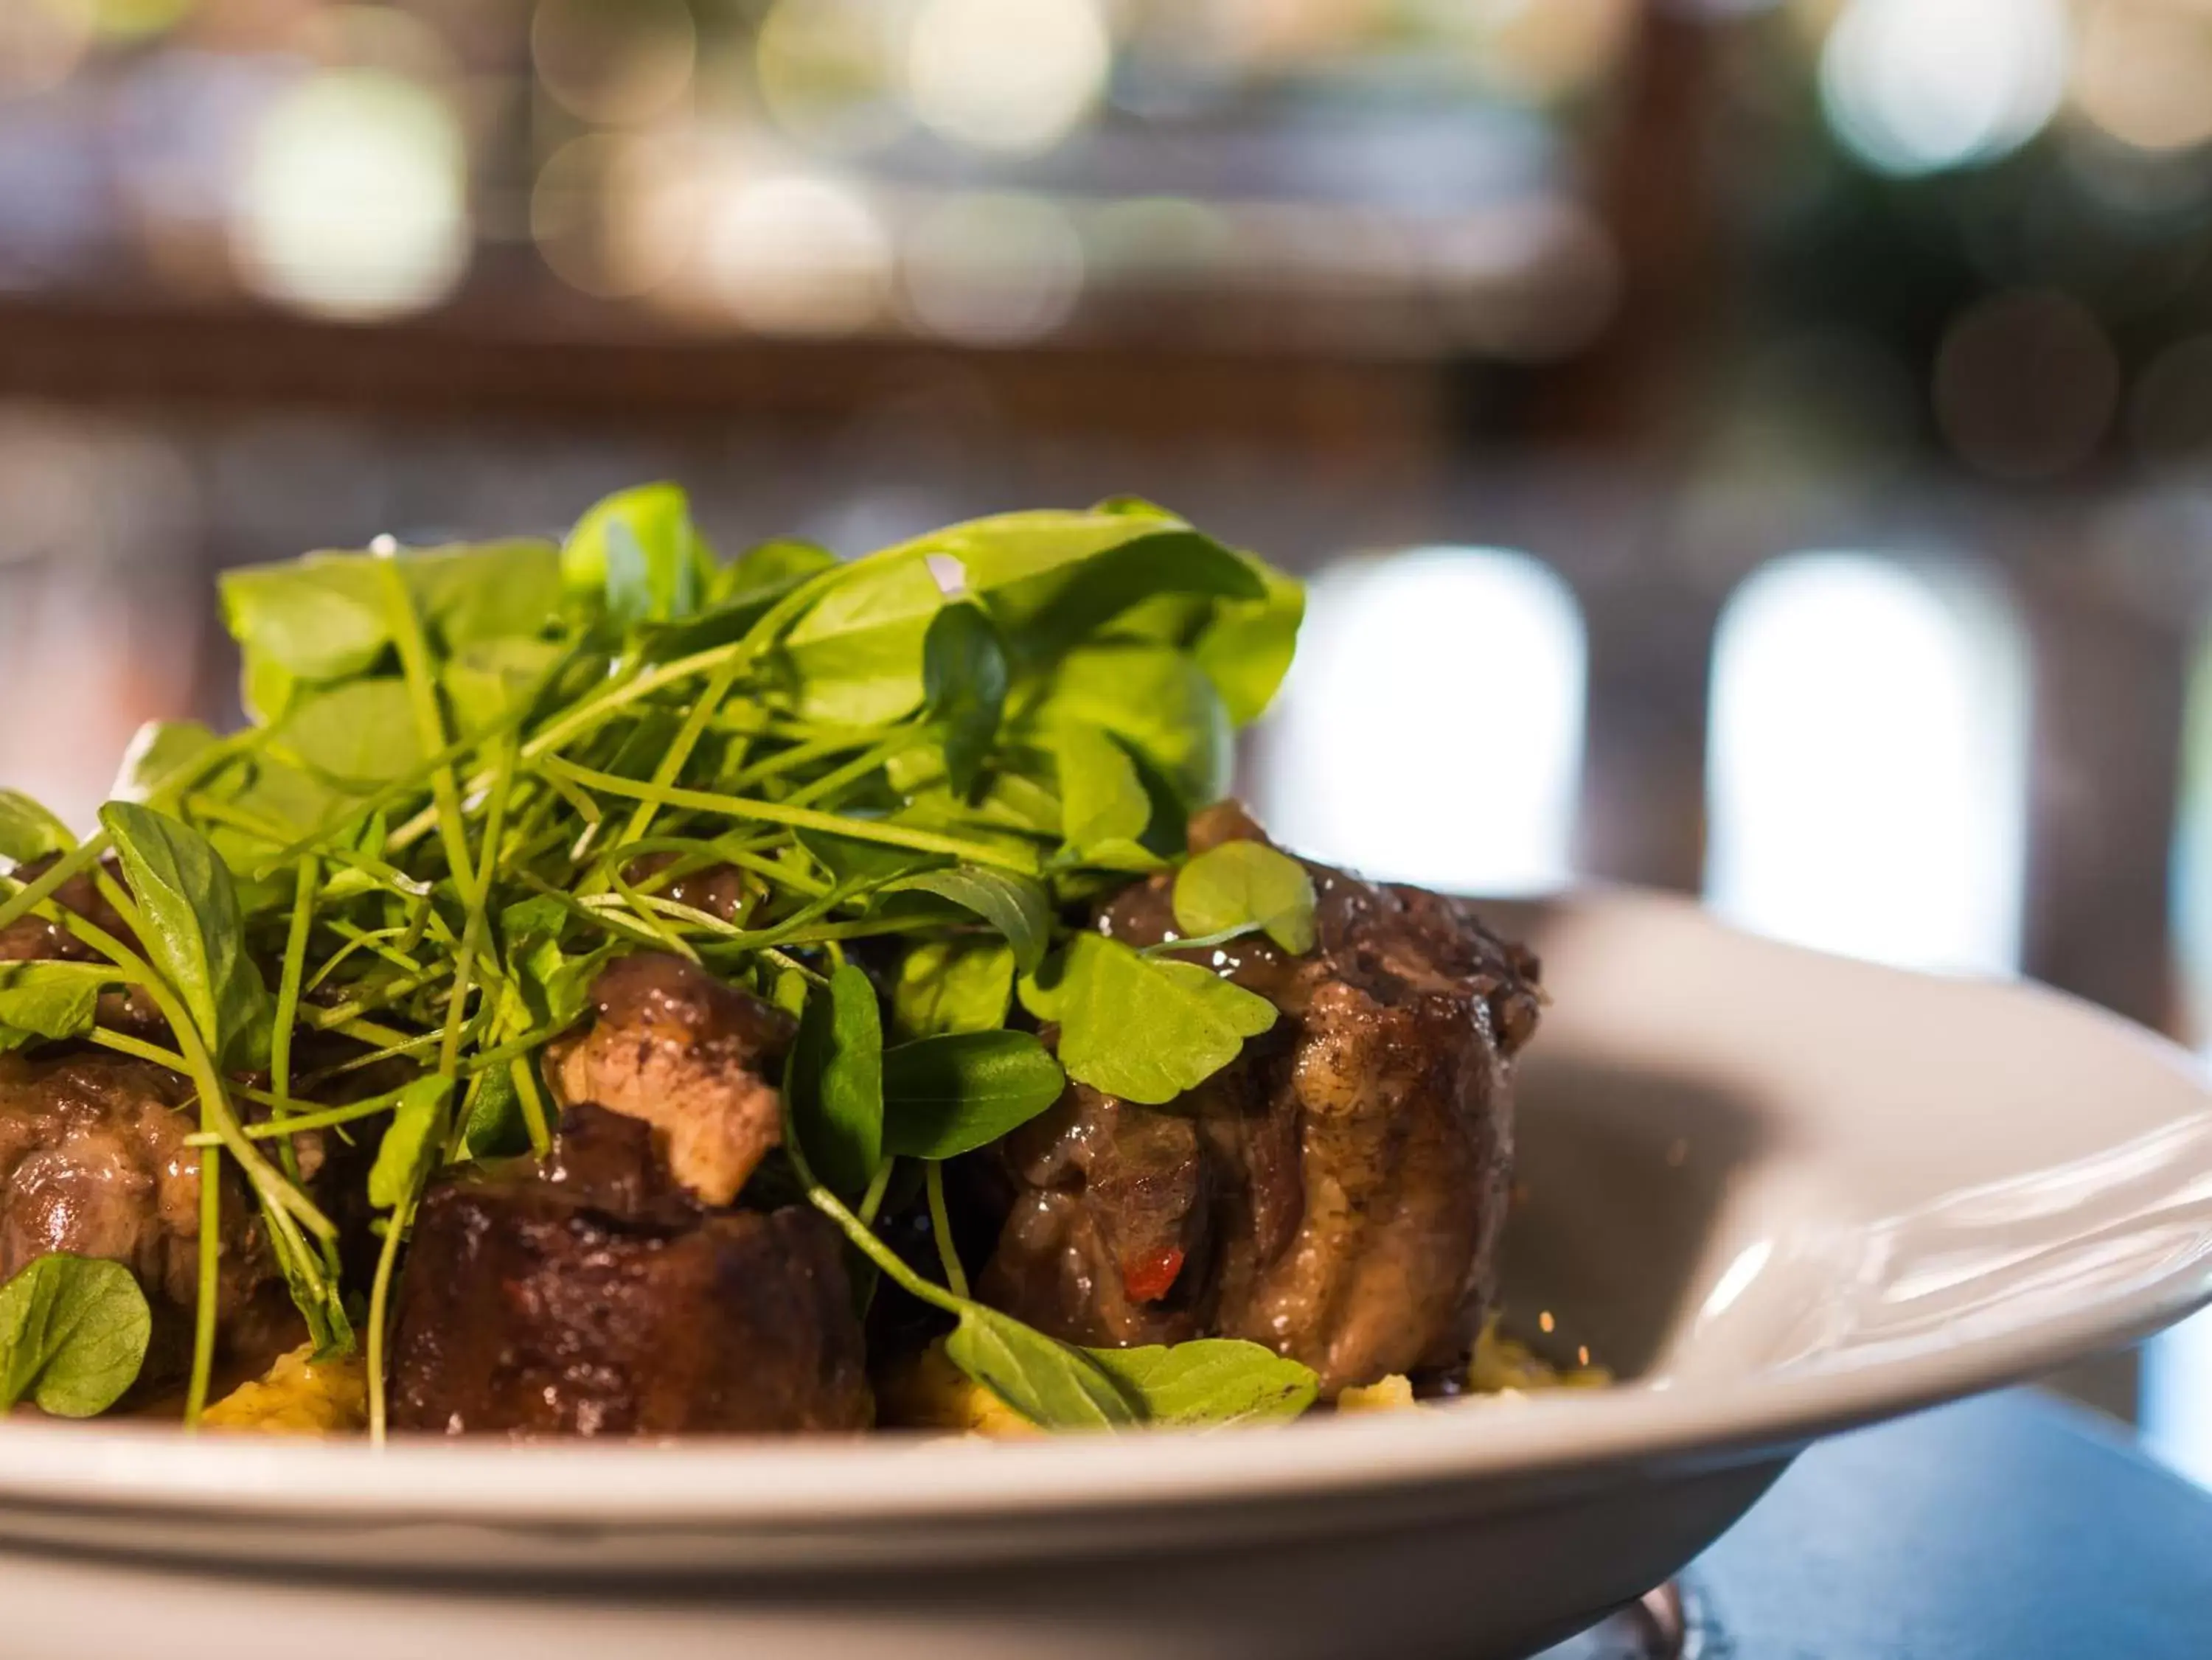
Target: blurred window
x,y
1432,730
1869,757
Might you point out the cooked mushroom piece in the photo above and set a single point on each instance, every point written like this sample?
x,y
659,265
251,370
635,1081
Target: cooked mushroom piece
x,y
696,1059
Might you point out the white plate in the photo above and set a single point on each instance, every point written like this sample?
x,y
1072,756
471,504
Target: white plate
x,y
1786,1193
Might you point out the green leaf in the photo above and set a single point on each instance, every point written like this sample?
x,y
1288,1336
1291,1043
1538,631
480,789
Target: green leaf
x,y
1147,1030
1153,697
1246,885
469,593
1111,582
27,831
498,1128
73,1335
156,753
320,618
835,1080
1016,906
637,556
963,670
953,985
488,679
1247,648
948,1095
410,1142
49,1001
193,929
359,734
850,860
856,655
1105,808
742,593
1049,1383
1210,1382
777,563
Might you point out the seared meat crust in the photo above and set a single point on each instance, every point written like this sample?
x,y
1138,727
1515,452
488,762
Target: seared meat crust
x,y
94,1161
1336,1193
586,1294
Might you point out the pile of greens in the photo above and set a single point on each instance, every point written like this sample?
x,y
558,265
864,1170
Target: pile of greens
x,y
474,773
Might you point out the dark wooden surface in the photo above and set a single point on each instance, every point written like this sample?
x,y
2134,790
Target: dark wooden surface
x,y
2009,1528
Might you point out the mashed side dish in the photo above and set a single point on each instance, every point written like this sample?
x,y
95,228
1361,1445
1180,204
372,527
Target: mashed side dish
x,y
606,989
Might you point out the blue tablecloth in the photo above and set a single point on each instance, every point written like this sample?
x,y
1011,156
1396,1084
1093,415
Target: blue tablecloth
x,y
2008,1528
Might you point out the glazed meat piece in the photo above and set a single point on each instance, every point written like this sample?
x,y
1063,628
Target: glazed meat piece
x,y
689,1056
1343,1182
94,1161
588,1294
1112,1205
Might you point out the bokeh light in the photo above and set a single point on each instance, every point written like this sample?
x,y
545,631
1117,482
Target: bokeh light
x,y
1919,86
1015,76
1869,762
1158,238
829,70
1352,780
620,62
2144,72
2026,385
798,253
353,200
2170,413
1543,50
993,267
42,42
617,213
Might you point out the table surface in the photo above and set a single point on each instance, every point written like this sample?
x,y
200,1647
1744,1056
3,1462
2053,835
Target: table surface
x,y
2007,1527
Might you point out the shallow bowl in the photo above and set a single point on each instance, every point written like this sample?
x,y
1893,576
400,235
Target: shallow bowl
x,y
1780,1193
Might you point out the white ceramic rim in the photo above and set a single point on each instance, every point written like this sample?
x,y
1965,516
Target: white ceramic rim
x,y
768,1484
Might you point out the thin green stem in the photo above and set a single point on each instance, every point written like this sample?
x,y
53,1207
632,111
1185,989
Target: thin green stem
x,y
287,998
800,818
29,896
940,1223
430,723
686,740
878,1184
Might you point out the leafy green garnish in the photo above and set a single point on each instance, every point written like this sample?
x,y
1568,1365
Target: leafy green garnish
x,y
49,1001
27,831
953,985
73,1335
1047,1382
947,1095
405,1150
193,928
1144,1029
1245,885
1016,906
834,1080
963,673
477,774
1210,1382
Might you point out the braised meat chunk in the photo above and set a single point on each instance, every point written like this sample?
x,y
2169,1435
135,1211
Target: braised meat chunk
x,y
1338,1190
587,1293
691,1056
94,1161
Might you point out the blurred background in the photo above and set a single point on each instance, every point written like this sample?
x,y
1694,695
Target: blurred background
x,y
1756,447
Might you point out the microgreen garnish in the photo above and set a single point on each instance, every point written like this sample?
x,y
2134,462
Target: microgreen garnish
x,y
73,1334
475,775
